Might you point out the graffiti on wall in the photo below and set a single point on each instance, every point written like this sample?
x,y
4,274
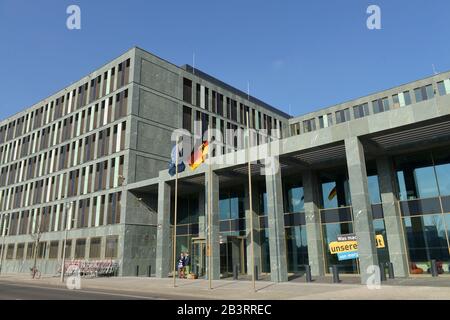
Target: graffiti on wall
x,y
86,268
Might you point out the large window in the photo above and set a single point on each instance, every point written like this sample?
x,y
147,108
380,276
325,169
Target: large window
x,y
424,93
416,176
442,167
372,181
402,99
68,250
188,210
295,129
231,205
330,233
187,118
379,229
53,252
423,180
80,248
10,251
111,247
295,200
325,120
342,115
309,125
297,248
444,87
95,248
427,238
187,90
380,105
361,110
30,250
335,190
20,251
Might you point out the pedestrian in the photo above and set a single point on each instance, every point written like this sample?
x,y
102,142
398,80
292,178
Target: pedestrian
x,y
187,264
180,266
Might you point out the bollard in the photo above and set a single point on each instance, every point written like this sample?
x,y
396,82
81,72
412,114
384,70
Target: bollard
x,y
308,273
434,269
137,271
149,271
390,266
382,272
235,272
335,271
256,273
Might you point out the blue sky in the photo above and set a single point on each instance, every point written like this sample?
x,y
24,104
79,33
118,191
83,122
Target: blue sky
x,y
298,55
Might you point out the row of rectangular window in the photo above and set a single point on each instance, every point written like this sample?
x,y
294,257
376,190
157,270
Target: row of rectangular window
x,y
380,105
234,111
68,103
67,129
92,147
93,178
102,210
231,142
52,248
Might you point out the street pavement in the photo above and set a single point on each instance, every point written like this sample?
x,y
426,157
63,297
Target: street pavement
x,y
50,288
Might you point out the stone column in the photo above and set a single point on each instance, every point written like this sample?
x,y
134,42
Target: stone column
x,y
394,231
256,234
362,209
312,217
215,243
202,205
164,237
277,239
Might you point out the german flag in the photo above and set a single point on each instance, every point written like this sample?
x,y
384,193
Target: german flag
x,y
332,194
198,156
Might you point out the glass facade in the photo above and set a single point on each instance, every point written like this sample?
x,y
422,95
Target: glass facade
x,y
424,190
330,233
295,228
335,189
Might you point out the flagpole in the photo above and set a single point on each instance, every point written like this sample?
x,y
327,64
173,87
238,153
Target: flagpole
x,y
175,216
251,204
209,212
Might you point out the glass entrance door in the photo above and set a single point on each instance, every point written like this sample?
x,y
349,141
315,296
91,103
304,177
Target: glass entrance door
x,y
199,256
233,253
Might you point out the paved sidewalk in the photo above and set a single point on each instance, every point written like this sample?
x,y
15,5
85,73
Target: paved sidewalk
x,y
229,289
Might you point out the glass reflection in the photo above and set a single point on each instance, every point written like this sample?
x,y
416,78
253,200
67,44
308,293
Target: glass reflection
x,y
416,176
427,240
297,248
295,199
330,233
335,192
374,189
380,229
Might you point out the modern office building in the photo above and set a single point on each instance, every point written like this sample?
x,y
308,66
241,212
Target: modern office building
x,y
94,157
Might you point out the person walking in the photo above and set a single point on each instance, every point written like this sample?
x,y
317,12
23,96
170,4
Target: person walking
x,y
180,266
187,264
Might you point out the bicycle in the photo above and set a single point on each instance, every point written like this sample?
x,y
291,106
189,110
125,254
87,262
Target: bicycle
x,y
35,273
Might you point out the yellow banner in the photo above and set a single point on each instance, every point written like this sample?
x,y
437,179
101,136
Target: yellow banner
x,y
349,246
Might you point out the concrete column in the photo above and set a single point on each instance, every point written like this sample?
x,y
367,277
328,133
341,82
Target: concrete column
x,y
256,234
202,205
394,231
362,209
164,238
312,217
277,239
215,243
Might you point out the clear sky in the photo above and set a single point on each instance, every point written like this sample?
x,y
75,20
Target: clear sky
x,y
297,55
